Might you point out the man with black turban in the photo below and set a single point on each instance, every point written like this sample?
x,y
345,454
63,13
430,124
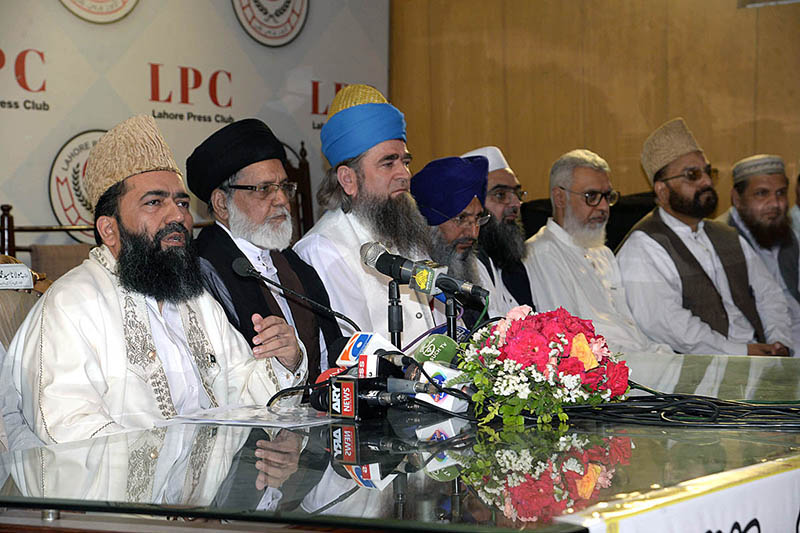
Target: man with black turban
x,y
239,172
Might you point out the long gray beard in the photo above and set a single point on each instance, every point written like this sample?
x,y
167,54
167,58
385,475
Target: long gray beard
x,y
460,265
504,243
396,222
265,236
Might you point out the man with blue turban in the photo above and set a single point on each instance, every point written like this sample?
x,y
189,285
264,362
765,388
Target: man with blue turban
x,y
451,193
366,197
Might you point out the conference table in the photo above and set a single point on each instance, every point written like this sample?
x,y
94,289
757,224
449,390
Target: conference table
x,y
419,471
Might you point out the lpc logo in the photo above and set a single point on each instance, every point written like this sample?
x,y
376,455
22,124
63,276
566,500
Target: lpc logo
x,y
100,11
272,22
68,197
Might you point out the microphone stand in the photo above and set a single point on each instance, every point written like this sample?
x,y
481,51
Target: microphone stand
x,y
395,314
451,315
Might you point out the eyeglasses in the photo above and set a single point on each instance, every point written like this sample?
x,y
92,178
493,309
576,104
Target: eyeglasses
x,y
694,174
468,221
267,190
505,195
593,198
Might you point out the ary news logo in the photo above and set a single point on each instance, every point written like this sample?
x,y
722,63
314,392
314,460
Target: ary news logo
x,y
100,11
271,22
343,443
68,197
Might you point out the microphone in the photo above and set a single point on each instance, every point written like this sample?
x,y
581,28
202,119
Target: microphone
x,y
243,268
358,399
422,276
362,342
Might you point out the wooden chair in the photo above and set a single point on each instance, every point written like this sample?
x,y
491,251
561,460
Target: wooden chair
x,y
303,203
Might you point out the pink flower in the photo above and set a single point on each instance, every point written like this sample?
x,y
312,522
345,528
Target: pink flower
x,y
521,311
599,348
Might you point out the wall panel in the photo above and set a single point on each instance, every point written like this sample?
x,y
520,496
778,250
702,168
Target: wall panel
x,y
625,83
711,79
777,100
563,74
544,75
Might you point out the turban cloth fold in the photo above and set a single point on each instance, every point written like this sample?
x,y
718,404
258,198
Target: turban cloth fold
x,y
352,131
229,150
445,187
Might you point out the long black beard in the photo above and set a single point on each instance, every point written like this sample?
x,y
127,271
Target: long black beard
x,y
460,265
695,207
768,235
503,242
168,275
395,222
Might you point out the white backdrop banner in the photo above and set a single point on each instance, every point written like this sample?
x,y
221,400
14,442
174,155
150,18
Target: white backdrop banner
x,y
71,70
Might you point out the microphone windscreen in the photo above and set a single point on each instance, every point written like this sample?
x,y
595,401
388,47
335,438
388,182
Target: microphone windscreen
x,y
439,348
370,252
242,267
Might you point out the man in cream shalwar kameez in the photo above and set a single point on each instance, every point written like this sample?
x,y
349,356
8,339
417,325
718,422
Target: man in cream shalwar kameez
x,y
95,357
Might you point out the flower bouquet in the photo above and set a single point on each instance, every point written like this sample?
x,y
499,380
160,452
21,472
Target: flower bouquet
x,y
536,475
534,363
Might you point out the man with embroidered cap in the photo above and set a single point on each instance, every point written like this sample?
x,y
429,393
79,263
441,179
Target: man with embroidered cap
x,y
691,282
568,260
759,212
366,197
502,239
239,172
450,193
130,337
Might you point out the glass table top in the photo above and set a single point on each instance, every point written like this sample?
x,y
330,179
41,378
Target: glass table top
x,y
410,470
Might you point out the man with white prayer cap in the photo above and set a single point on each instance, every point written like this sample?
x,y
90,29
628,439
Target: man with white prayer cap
x,y
366,197
569,263
502,239
691,282
759,212
130,338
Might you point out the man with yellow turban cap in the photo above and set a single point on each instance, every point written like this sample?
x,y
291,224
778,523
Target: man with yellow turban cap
x,y
366,195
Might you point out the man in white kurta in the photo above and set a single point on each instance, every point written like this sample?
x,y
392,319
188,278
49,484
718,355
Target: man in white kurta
x,y
759,214
747,315
568,261
129,337
367,200
93,359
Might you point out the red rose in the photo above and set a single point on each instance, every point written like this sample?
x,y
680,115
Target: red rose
x,y
619,450
617,378
593,377
571,365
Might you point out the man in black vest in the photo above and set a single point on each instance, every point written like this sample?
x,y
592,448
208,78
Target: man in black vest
x,y
502,239
760,214
691,282
239,172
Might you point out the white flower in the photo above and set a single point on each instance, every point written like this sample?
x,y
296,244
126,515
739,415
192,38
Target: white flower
x,y
572,465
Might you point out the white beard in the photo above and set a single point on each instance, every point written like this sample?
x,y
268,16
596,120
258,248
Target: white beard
x,y
265,235
585,236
